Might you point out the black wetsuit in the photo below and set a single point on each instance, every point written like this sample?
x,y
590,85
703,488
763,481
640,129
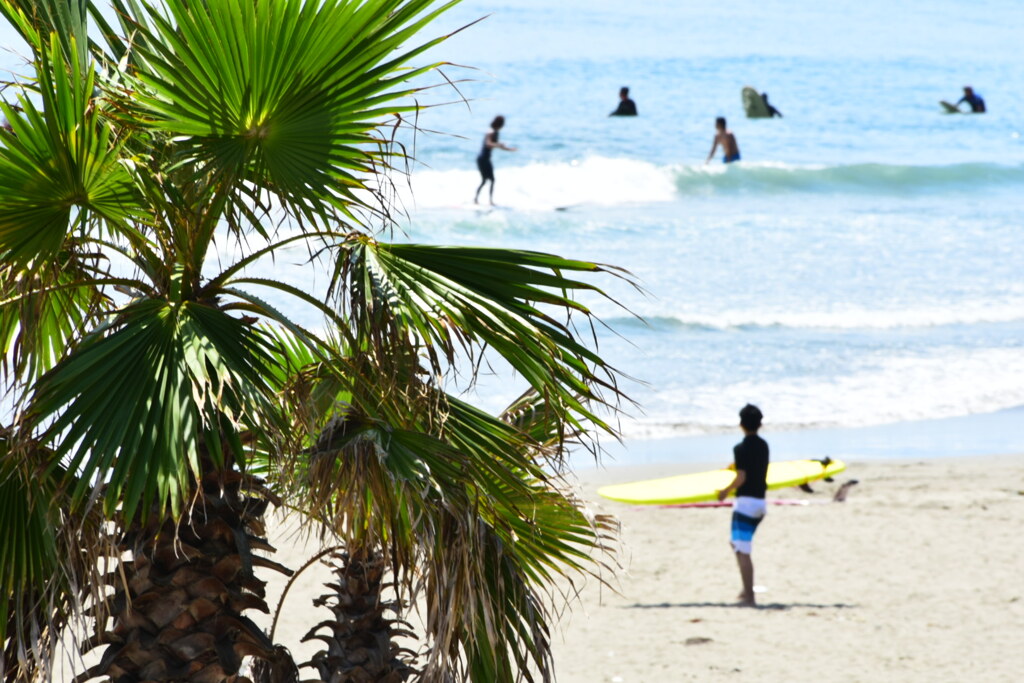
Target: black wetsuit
x,y
483,160
977,104
627,107
772,111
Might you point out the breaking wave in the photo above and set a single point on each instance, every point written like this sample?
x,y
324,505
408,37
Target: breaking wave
x,y
601,181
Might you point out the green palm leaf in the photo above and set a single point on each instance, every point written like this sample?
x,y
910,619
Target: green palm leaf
x,y
35,20
62,169
536,520
43,313
452,297
284,94
456,496
133,410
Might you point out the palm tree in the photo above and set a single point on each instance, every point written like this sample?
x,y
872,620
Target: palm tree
x,y
462,504
163,393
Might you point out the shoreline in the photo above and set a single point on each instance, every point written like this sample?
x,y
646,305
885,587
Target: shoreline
x,y
967,436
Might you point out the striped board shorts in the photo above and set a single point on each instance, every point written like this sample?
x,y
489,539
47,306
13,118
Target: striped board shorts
x,y
747,513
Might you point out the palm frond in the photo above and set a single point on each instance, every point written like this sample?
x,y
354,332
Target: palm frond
x,y
42,314
529,507
283,95
61,170
466,298
455,496
487,579
45,565
36,20
131,410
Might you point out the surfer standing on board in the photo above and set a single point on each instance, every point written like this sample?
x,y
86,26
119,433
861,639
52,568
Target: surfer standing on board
x,y
725,138
483,160
750,457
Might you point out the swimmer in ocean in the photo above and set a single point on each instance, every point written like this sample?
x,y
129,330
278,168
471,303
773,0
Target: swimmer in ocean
x,y
627,107
725,138
483,160
972,98
772,111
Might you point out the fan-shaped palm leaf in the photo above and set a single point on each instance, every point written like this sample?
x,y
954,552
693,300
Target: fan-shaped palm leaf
x,y
42,313
137,405
61,169
282,95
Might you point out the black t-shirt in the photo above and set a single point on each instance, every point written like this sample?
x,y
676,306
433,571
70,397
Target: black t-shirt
x,y
751,456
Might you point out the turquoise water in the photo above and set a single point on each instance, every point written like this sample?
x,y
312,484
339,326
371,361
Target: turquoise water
x,y
862,266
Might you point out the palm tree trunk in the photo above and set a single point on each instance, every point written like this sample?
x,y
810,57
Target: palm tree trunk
x,y
178,604
361,642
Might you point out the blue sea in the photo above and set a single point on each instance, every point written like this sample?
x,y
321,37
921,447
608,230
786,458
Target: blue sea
x,y
861,269
859,274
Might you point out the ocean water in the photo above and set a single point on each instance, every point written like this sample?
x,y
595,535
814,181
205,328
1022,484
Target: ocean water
x,y
862,266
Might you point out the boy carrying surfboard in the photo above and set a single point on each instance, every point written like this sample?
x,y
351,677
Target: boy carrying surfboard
x,y
750,458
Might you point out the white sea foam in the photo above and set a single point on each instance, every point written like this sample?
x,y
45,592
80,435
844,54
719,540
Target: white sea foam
x,y
897,389
603,181
544,186
778,178
846,318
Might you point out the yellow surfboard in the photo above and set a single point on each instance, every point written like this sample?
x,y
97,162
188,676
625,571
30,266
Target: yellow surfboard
x,y
693,488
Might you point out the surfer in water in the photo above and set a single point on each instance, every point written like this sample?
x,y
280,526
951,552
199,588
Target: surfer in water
x,y
627,107
750,458
772,111
483,160
725,138
972,98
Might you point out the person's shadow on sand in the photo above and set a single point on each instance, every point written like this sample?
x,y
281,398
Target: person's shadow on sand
x,y
768,605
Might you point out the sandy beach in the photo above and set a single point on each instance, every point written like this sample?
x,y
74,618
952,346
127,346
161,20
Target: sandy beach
x,y
916,577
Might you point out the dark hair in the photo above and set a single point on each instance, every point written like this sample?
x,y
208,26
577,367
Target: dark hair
x,y
623,90
498,122
750,417
720,121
